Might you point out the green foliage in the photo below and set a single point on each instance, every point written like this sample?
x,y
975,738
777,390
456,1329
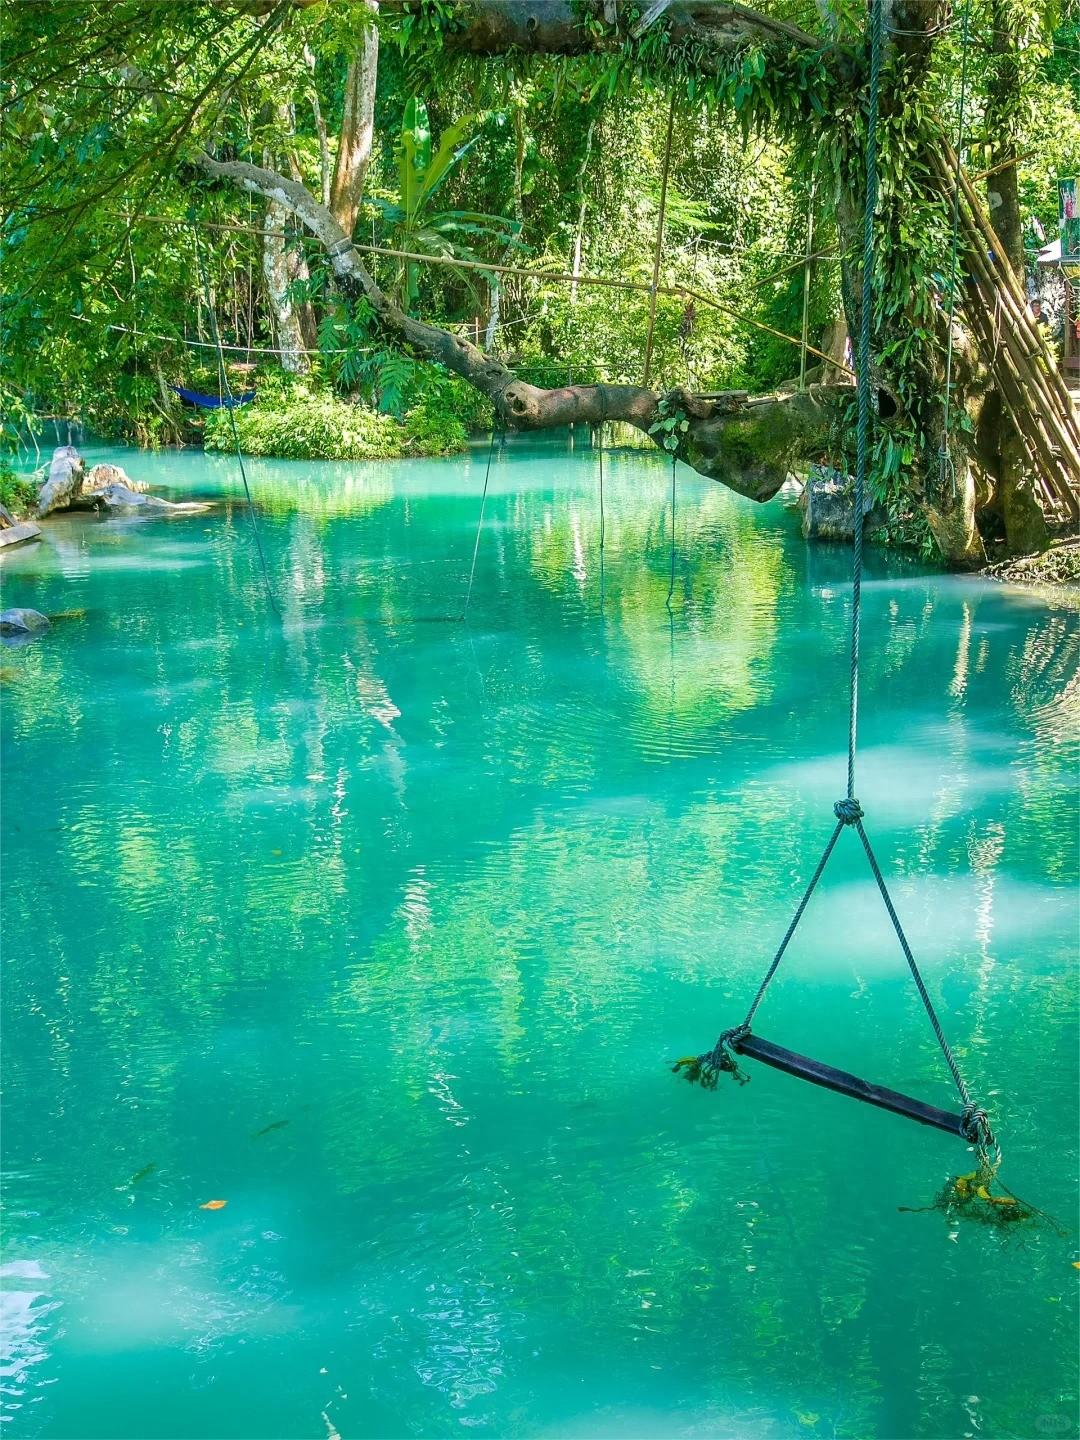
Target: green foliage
x,y
671,425
305,420
102,311
415,225
307,425
18,493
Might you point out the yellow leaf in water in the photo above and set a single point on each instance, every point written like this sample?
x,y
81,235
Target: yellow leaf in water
x,y
275,852
982,1192
214,1205
1076,1264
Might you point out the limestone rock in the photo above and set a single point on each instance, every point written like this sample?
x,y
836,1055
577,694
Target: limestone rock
x,y
103,475
19,534
828,505
22,622
120,499
64,481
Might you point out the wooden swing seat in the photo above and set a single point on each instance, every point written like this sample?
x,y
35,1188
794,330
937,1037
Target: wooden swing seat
x,y
803,1068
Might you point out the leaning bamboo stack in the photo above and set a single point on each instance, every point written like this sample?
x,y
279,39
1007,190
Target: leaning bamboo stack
x,y
1015,351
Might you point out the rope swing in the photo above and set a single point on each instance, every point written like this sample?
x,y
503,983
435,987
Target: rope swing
x,y
971,1122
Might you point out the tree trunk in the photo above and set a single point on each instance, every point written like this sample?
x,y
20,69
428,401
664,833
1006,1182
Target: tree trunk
x,y
496,280
357,127
320,130
582,27
288,332
1003,112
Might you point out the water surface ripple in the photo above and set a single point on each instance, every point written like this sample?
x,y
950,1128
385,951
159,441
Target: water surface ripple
x,y
383,928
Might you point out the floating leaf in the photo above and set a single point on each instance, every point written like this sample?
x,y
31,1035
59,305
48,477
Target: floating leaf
x,y
214,1205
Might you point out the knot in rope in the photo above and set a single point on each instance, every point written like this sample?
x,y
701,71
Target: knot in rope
x,y
849,811
722,1055
975,1126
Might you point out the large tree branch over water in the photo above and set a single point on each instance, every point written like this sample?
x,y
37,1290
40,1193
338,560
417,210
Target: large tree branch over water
x,y
584,27
747,444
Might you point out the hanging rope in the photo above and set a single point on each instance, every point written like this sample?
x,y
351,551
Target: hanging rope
x,y
659,242
705,1069
865,399
806,283
480,521
603,421
135,328
671,585
227,397
947,469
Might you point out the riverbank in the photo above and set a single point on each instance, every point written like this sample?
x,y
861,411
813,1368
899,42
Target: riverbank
x,y
1054,574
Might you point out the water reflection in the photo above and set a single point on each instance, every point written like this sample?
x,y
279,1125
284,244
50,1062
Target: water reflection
x,y
25,1335
445,897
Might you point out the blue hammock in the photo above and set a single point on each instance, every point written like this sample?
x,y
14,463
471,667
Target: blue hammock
x,y
213,402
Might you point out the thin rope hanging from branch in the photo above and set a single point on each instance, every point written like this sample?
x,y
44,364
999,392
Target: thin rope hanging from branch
x,y
480,521
671,584
659,243
227,397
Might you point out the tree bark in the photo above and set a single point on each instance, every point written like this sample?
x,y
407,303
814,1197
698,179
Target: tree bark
x,y
581,27
288,331
1003,110
357,127
320,130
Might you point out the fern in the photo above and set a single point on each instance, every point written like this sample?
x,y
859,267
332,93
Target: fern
x,y
395,376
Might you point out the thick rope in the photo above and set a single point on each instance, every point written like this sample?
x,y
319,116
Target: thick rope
x,y
947,467
227,398
603,418
654,291
976,1124
862,438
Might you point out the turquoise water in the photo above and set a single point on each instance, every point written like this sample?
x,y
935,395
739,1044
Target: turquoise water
x,y
438,902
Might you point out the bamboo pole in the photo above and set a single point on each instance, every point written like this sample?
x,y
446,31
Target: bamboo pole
x,y
1047,464
1022,331
1012,283
1046,413
1038,401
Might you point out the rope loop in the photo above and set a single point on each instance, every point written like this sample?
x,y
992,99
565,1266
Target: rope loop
x,y
849,811
976,1130
705,1070
721,1058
